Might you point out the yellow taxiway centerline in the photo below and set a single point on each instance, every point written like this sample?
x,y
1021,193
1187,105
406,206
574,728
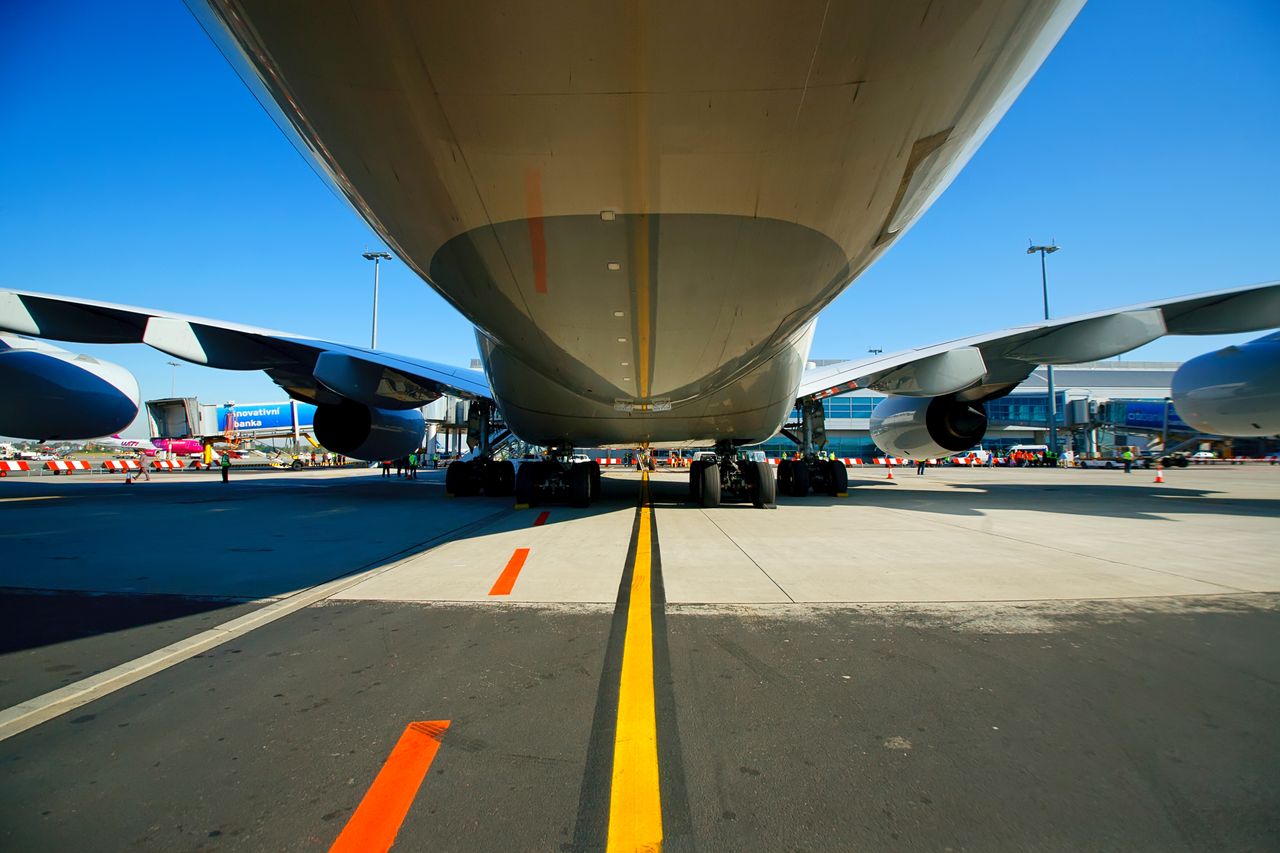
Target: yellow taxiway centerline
x,y
635,802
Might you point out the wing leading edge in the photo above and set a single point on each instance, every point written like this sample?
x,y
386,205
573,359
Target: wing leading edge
x,y
309,369
989,365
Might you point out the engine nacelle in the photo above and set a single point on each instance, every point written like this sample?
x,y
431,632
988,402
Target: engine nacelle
x,y
54,394
927,427
1234,391
356,430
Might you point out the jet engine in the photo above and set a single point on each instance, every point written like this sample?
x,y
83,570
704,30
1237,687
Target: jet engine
x,y
54,394
927,427
1234,391
362,432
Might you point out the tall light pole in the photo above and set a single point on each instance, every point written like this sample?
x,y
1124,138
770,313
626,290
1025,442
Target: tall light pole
x,y
1044,286
1164,428
173,377
376,257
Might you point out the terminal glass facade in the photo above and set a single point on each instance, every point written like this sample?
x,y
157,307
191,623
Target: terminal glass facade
x,y
1026,409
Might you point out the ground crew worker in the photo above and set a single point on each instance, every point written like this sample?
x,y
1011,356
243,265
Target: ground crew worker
x,y
225,462
386,467
1127,456
920,467
413,466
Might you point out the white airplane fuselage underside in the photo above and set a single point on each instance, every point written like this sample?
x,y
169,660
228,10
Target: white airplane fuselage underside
x,y
642,207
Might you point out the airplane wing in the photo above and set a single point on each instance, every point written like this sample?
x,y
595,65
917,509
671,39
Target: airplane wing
x,y
987,366
309,369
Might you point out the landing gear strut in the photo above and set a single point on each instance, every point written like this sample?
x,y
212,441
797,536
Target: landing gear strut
x,y
483,473
812,471
558,478
728,477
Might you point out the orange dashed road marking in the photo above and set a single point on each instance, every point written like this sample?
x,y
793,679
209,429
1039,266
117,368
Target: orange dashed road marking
x,y
377,819
507,580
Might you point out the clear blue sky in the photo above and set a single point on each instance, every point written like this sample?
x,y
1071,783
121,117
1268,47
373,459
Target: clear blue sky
x,y
137,168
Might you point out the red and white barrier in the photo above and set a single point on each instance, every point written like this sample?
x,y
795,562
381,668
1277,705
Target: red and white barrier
x,y
7,465
166,464
120,465
888,460
66,466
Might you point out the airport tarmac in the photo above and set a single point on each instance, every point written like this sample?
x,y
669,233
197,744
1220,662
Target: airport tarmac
x,y
969,659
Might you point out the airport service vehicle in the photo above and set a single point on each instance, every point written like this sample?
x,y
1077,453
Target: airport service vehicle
x,y
643,231
1203,456
1114,462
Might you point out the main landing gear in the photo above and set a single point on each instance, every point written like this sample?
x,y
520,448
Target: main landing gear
x,y
466,478
730,478
796,477
494,477
558,478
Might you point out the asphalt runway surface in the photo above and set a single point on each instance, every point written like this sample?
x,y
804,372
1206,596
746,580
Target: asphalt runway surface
x,y
969,660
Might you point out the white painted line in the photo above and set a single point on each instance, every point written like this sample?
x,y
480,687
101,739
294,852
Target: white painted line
x,y
33,712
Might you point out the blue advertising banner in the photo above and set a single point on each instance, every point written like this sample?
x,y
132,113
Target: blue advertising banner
x,y
267,416
1140,414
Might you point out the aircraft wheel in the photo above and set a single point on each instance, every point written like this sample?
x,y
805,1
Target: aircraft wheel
x,y
460,479
595,481
837,478
695,480
784,475
799,479
764,491
710,476
580,485
499,478
528,478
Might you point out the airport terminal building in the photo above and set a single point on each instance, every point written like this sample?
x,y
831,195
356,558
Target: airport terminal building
x,y
1100,405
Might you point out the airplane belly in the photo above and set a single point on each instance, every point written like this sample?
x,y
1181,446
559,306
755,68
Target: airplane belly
x,y
644,201
747,410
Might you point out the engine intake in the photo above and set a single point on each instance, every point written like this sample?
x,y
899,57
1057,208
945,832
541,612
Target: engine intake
x,y
928,427
356,430
55,394
1234,391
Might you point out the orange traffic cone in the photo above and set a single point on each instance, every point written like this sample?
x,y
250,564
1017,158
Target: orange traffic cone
x,y
889,467
1160,474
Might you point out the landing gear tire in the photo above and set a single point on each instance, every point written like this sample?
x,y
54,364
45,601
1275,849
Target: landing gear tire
x,y
695,480
837,478
595,481
784,476
764,491
710,476
528,478
459,479
499,478
580,485
799,480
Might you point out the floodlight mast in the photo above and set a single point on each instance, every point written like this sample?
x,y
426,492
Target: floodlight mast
x,y
376,257
1044,288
